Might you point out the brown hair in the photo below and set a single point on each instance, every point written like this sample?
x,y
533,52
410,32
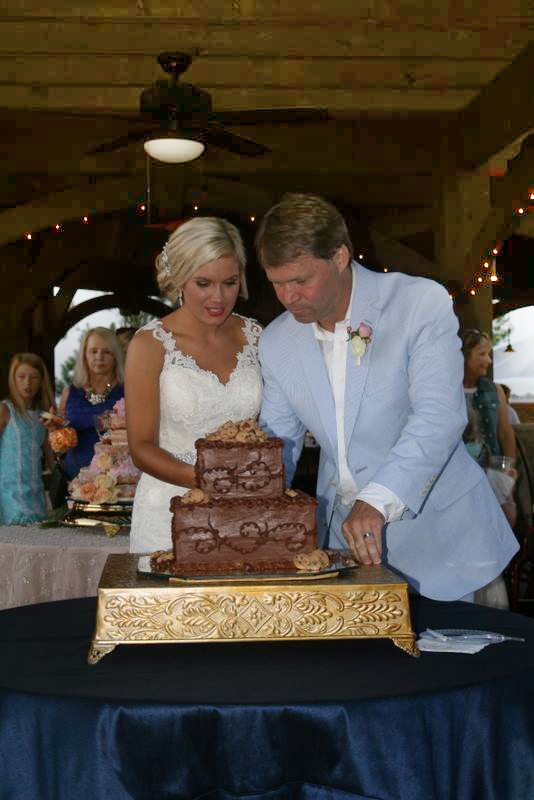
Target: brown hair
x,y
301,223
45,397
471,338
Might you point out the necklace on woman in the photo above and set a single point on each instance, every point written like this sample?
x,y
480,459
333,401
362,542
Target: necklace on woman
x,y
97,397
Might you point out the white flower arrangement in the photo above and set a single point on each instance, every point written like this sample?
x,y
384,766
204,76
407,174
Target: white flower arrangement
x,y
359,340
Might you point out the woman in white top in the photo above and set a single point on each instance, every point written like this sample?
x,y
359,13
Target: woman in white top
x,y
189,372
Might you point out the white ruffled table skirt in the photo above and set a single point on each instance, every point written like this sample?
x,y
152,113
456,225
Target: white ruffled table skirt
x,y
38,565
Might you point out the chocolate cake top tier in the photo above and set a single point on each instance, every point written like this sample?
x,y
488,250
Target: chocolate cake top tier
x,y
230,468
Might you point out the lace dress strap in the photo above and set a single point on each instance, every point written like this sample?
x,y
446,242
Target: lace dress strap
x,y
159,333
173,356
251,329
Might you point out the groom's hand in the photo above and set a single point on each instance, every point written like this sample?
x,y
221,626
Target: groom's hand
x,y
361,521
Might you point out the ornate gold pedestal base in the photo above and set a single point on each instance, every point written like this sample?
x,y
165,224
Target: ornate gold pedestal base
x,y
366,603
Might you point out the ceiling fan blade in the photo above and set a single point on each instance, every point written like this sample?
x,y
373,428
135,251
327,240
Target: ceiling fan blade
x,y
235,144
120,141
266,116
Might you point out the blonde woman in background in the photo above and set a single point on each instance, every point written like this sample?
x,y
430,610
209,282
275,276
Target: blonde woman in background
x,y
96,386
189,372
22,439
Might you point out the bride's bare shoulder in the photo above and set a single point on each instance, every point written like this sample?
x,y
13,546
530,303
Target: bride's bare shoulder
x,y
147,345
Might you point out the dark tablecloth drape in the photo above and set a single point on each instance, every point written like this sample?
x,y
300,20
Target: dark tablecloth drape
x,y
325,720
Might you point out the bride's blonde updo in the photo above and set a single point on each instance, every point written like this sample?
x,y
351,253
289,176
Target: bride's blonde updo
x,y
192,245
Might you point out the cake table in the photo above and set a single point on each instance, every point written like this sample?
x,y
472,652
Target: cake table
x,y
132,608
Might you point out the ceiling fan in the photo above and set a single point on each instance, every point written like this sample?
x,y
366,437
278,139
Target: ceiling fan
x,y
172,106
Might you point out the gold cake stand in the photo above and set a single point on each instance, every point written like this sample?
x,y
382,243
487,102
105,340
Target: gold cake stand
x,y
365,603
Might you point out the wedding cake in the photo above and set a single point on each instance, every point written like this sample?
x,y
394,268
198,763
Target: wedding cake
x,y
111,476
239,519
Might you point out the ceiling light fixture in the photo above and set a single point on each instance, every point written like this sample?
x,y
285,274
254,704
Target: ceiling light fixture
x,y
173,150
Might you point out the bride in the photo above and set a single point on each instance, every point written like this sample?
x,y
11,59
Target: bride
x,y
189,372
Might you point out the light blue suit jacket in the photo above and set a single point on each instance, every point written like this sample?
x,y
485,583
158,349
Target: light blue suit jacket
x,y
404,418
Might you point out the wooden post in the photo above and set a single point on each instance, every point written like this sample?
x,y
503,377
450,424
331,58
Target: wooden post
x,y
462,203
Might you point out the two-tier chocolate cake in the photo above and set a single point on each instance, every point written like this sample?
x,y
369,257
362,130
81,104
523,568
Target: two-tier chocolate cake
x,y
240,519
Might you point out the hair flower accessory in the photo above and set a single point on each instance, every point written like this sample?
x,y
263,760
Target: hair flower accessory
x,y
165,261
359,340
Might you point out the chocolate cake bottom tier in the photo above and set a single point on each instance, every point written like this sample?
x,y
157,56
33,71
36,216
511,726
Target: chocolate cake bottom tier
x,y
249,531
169,565
163,561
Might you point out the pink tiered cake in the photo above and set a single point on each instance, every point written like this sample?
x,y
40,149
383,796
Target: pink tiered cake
x,y
111,476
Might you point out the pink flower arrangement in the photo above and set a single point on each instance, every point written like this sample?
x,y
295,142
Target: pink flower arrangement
x,y
120,407
86,491
105,495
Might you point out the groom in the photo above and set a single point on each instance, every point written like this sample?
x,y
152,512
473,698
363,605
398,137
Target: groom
x,y
371,364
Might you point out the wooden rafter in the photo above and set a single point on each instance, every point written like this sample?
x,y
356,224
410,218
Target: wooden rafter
x,y
509,194
501,113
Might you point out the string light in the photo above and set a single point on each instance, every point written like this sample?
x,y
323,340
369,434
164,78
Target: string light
x,y
139,207
361,256
386,269
479,279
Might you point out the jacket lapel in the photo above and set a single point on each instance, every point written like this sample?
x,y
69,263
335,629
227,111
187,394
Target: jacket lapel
x,y
365,308
314,368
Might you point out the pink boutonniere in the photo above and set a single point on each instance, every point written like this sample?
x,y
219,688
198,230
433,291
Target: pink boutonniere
x,y
359,340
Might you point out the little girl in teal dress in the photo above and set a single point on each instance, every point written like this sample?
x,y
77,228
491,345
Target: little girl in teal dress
x,y
22,438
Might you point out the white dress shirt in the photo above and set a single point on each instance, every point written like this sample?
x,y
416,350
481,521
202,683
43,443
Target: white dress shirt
x,y
333,345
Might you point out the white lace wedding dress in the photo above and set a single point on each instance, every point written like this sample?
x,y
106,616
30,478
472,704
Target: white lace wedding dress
x,y
193,403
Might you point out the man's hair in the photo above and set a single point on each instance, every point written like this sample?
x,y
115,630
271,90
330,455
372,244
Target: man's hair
x,y
301,223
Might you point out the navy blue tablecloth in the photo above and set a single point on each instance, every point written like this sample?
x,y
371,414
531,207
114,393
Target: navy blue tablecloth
x,y
325,720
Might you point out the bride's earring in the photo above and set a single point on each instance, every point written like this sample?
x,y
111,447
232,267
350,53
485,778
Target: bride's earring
x,y
180,297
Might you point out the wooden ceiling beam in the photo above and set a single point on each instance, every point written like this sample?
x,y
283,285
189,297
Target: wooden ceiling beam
x,y
509,193
109,98
501,113
213,71
324,36
372,192
399,224
69,205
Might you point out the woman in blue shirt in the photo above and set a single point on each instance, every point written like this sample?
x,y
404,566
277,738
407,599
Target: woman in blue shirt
x,y
22,439
97,385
